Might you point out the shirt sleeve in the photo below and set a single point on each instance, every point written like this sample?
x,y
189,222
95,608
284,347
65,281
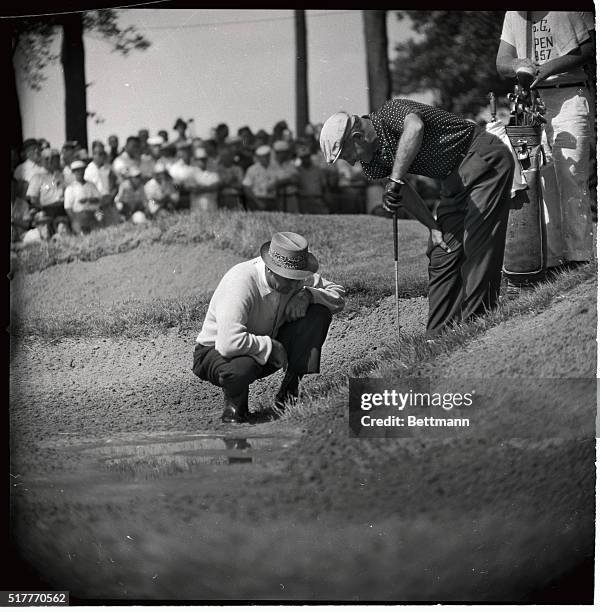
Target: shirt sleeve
x,y
69,198
326,293
232,303
508,33
249,178
33,189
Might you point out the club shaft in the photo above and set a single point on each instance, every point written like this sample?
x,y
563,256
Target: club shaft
x,y
395,218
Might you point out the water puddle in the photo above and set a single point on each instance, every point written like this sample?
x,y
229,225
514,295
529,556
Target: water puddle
x,y
151,457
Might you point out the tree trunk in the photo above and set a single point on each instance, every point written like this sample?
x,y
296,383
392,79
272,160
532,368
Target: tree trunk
x,y
15,130
301,72
378,70
73,61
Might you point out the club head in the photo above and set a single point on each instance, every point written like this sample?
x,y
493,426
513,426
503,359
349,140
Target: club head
x,y
525,77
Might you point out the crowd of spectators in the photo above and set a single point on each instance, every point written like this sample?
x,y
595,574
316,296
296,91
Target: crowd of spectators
x,y
68,191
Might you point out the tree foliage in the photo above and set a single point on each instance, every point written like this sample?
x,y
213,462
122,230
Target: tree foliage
x,y
33,39
454,57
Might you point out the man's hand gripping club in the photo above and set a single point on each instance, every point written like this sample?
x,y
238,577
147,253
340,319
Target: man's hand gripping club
x,y
401,195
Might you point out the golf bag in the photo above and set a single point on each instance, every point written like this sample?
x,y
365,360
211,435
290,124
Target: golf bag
x,y
524,254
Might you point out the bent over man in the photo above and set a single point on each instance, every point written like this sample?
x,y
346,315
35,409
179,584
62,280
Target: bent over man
x,y
267,313
466,244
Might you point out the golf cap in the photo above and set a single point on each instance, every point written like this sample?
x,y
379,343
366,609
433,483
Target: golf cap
x,y
200,153
335,130
154,141
281,145
78,165
134,171
263,150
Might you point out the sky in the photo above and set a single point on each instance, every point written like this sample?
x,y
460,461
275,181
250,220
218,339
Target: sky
x,y
212,65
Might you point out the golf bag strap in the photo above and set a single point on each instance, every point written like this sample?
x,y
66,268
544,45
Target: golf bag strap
x,y
528,33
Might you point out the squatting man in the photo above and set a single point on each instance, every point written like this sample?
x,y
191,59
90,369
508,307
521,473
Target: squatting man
x,y
267,313
466,245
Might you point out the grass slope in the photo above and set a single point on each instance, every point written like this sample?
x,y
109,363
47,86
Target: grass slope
x,y
80,298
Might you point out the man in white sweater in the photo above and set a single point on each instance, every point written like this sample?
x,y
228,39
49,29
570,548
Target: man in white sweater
x,y
267,313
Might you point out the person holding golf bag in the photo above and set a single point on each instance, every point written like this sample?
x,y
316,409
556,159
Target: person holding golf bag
x,y
467,234
557,49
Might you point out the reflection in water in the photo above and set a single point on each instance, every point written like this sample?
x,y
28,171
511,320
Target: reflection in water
x,y
170,458
238,444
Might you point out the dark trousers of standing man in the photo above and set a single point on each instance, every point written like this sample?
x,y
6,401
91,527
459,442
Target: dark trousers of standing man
x,y
473,215
302,340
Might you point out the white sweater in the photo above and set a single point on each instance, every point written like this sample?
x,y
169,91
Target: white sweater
x,y
244,313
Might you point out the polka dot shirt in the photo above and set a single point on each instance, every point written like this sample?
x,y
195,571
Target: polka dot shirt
x,y
446,138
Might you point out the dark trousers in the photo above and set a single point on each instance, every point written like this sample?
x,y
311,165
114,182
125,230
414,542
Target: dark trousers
x,y
302,340
473,215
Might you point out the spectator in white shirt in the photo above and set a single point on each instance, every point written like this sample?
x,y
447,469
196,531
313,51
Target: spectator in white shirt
x,y
82,201
130,158
267,313
46,194
131,197
31,166
207,183
161,195
182,174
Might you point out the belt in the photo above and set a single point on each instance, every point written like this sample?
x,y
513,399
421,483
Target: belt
x,y
578,84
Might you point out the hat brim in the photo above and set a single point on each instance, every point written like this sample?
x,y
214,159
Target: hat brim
x,y
312,265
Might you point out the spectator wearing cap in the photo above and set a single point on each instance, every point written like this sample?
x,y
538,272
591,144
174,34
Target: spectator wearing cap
x,y
242,154
113,148
44,144
161,195
268,313
129,158
131,197
260,182
158,149
164,135
231,177
207,183
100,173
312,184
180,127
182,173
82,201
287,177
46,194
151,156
